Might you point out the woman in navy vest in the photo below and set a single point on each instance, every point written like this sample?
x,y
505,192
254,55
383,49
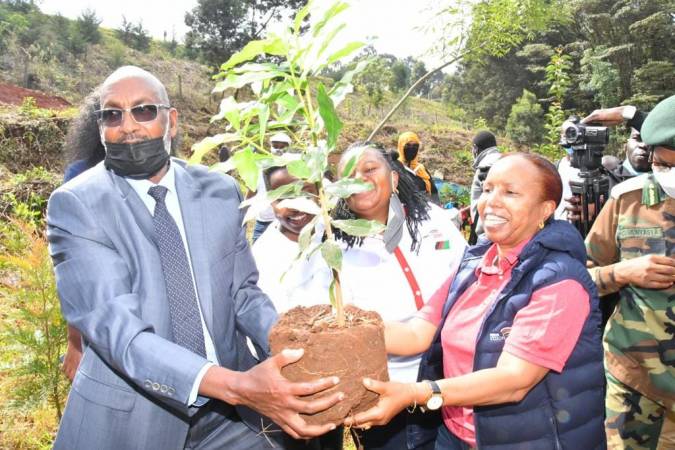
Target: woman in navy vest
x,y
513,357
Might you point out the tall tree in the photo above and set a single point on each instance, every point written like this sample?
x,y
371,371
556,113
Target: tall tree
x,y
221,27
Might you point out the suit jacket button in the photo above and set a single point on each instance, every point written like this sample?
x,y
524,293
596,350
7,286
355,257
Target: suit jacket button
x,y
155,386
171,391
163,389
147,384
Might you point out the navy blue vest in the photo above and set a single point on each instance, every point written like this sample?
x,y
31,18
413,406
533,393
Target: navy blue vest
x,y
565,410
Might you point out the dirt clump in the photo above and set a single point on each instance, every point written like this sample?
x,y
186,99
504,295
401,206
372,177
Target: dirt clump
x,y
352,353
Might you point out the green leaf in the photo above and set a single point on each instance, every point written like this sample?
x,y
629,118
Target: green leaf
x,y
333,11
332,254
317,160
347,186
303,204
273,45
300,16
238,81
263,119
359,227
343,87
317,63
229,109
299,169
331,293
207,144
351,164
329,115
245,163
305,236
286,191
345,51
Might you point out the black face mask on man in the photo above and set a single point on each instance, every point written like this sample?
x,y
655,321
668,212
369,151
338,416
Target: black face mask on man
x,y
138,160
410,151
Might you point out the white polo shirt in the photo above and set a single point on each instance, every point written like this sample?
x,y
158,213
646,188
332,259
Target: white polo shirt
x,y
373,279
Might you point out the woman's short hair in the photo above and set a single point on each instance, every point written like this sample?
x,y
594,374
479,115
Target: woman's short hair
x,y
549,179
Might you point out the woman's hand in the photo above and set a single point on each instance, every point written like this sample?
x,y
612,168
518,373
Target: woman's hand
x,y
394,397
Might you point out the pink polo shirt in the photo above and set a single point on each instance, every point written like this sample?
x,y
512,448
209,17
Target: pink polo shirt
x,y
544,332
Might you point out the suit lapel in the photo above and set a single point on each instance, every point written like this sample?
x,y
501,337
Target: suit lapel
x,y
189,196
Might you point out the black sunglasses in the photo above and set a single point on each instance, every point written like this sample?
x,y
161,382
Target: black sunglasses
x,y
112,117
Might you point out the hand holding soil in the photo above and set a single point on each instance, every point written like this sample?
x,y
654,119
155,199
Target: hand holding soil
x,y
393,398
266,390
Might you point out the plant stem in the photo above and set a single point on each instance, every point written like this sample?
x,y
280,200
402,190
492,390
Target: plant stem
x,y
339,307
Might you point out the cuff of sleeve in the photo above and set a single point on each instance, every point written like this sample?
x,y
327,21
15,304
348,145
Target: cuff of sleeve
x,y
198,380
539,360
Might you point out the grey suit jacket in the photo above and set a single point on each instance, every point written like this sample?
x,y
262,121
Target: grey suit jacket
x,y
131,390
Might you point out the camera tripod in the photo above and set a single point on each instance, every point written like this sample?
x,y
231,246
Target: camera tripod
x,y
592,191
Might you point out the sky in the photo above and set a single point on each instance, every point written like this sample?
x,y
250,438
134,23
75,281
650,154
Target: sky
x,y
397,25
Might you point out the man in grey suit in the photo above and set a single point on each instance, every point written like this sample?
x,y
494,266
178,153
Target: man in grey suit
x,y
153,268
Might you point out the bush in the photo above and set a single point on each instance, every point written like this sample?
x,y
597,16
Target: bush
x,y
525,124
32,336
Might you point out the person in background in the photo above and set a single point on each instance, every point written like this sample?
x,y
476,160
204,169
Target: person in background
x,y
635,163
288,281
409,146
514,357
279,142
630,251
395,272
485,153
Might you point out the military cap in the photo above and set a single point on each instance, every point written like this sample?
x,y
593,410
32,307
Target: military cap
x,y
659,126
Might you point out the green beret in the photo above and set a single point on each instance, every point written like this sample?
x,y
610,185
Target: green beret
x,y
659,126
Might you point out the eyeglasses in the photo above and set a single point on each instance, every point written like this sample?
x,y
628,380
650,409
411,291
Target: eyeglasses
x,y
112,117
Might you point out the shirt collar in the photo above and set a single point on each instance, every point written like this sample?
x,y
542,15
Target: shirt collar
x,y
168,181
505,264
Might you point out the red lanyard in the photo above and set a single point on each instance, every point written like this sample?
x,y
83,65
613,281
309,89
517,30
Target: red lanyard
x,y
410,276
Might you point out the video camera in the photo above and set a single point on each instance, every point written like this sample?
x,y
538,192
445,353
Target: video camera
x,y
588,143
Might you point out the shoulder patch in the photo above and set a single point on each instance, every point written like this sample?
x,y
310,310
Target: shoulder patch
x,y
632,184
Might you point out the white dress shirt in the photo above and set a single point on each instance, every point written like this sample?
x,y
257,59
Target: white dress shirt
x,y
173,206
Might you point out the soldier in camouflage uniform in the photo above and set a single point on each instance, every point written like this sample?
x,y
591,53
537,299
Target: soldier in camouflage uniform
x,y
630,248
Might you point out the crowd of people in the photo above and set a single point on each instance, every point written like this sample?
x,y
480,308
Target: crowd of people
x,y
497,345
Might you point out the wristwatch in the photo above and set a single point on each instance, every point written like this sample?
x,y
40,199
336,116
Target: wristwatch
x,y
628,112
436,400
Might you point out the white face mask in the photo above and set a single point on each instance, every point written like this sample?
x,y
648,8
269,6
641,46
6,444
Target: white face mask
x,y
666,179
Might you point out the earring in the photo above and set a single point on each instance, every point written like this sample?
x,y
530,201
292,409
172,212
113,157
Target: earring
x,y
541,225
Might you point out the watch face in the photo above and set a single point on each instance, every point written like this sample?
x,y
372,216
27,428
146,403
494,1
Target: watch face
x,y
435,402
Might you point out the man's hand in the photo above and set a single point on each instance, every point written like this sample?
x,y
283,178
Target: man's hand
x,y
649,271
71,360
574,209
607,117
394,397
265,390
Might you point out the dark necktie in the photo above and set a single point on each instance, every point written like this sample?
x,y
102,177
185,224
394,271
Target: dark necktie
x,y
185,321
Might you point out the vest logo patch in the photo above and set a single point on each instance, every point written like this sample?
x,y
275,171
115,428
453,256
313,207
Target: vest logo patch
x,y
501,335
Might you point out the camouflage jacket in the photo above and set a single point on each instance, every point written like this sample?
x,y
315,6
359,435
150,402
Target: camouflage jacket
x,y
639,342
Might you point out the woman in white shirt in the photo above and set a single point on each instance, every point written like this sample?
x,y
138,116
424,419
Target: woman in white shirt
x,y
396,272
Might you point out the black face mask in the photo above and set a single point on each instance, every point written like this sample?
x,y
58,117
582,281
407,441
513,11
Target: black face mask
x,y
410,151
139,160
